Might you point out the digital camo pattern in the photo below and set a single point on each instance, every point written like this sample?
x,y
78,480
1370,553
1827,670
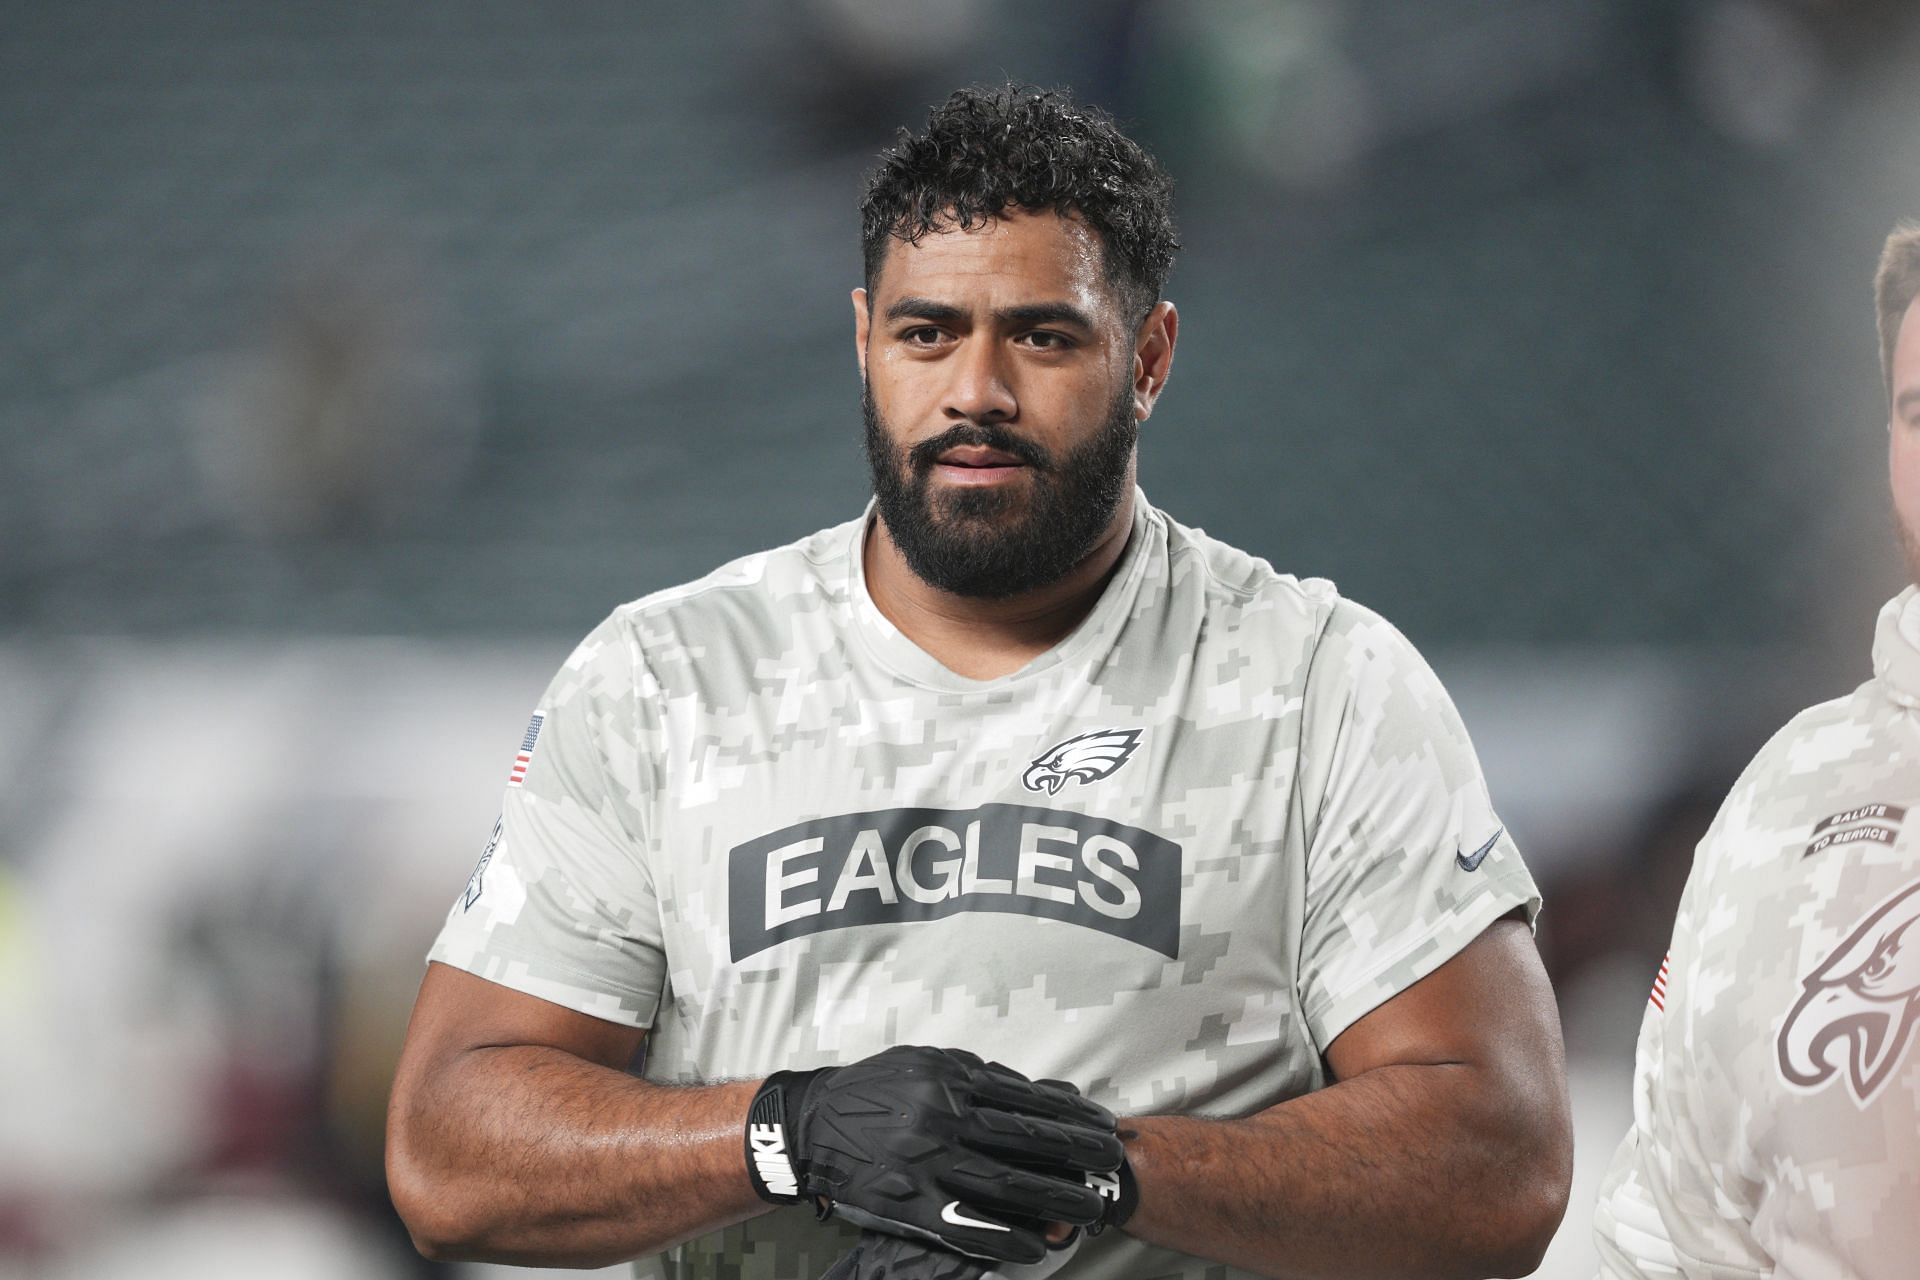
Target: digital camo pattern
x,y
1777,1094
762,823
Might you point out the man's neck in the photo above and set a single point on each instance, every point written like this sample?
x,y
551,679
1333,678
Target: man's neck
x,y
986,639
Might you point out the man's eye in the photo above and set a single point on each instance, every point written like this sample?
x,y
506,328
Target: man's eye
x,y
925,336
1046,341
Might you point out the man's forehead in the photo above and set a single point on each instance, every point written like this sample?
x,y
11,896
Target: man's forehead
x,y
1043,252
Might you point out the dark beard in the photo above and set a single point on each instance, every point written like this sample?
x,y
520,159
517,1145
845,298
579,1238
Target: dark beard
x,y
989,543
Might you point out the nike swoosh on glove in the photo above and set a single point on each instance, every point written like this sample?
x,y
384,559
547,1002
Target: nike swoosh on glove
x,y
935,1145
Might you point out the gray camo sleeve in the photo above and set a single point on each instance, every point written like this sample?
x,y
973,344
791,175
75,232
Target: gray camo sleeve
x,y
1406,861
562,905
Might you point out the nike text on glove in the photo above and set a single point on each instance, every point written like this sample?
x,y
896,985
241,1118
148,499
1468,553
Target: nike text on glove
x,y
936,1145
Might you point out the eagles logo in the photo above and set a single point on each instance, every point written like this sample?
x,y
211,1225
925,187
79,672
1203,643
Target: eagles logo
x,y
1860,1005
1086,758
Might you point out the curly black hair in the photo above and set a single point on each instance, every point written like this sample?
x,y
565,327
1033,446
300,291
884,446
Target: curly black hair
x,y
990,149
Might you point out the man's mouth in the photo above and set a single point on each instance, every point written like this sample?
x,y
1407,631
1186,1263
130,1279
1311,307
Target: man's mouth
x,y
977,464
978,456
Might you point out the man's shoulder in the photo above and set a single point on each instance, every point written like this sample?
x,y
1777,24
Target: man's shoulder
x,y
1239,580
1829,770
1288,617
810,571
1824,738
1233,579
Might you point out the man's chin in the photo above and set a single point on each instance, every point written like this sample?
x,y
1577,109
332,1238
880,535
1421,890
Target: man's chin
x,y
975,505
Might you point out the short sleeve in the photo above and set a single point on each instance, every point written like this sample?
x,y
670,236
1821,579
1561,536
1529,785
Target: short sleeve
x,y
562,903
1406,861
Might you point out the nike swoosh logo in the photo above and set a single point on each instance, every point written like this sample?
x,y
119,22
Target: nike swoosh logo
x,y
951,1213
1472,861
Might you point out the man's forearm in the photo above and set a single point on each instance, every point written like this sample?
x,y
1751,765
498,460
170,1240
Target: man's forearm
x,y
530,1155
1404,1170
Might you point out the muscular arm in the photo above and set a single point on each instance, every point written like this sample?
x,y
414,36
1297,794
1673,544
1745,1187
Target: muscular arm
x,y
514,1134
1443,1149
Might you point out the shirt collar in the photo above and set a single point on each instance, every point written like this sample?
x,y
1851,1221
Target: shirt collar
x,y
1896,648
886,642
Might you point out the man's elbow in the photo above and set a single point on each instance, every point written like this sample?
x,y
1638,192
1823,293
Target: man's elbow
x,y
434,1242
424,1209
1531,1231
427,1205
1529,1211
446,1227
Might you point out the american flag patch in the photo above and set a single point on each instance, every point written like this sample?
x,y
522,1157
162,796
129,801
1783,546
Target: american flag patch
x,y
524,756
1659,996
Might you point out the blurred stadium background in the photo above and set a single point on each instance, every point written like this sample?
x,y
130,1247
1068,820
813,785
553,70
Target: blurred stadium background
x,y
356,358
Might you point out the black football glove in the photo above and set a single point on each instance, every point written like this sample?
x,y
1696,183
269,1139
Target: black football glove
x,y
935,1145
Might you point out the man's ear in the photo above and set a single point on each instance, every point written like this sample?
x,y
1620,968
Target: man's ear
x,y
1153,357
862,317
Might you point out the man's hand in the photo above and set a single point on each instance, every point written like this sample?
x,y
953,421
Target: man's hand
x,y
935,1145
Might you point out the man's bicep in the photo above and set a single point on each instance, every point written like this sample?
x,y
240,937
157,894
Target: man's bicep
x,y
1472,1052
457,1012
1489,1006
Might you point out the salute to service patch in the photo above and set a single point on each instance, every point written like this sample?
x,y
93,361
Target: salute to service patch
x,y
1879,823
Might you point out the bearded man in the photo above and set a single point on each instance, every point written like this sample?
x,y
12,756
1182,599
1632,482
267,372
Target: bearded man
x,y
1012,873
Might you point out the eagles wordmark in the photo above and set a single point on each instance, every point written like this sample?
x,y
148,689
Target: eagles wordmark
x,y
890,866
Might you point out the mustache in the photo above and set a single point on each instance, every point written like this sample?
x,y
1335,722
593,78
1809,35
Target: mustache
x,y
984,434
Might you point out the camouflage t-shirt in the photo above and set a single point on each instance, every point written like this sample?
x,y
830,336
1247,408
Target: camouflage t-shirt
x,y
1169,860
1777,1093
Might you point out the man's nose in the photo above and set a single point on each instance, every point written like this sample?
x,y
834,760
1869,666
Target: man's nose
x,y
980,390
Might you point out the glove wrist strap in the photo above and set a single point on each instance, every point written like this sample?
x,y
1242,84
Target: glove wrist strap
x,y
774,1161
1120,1191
